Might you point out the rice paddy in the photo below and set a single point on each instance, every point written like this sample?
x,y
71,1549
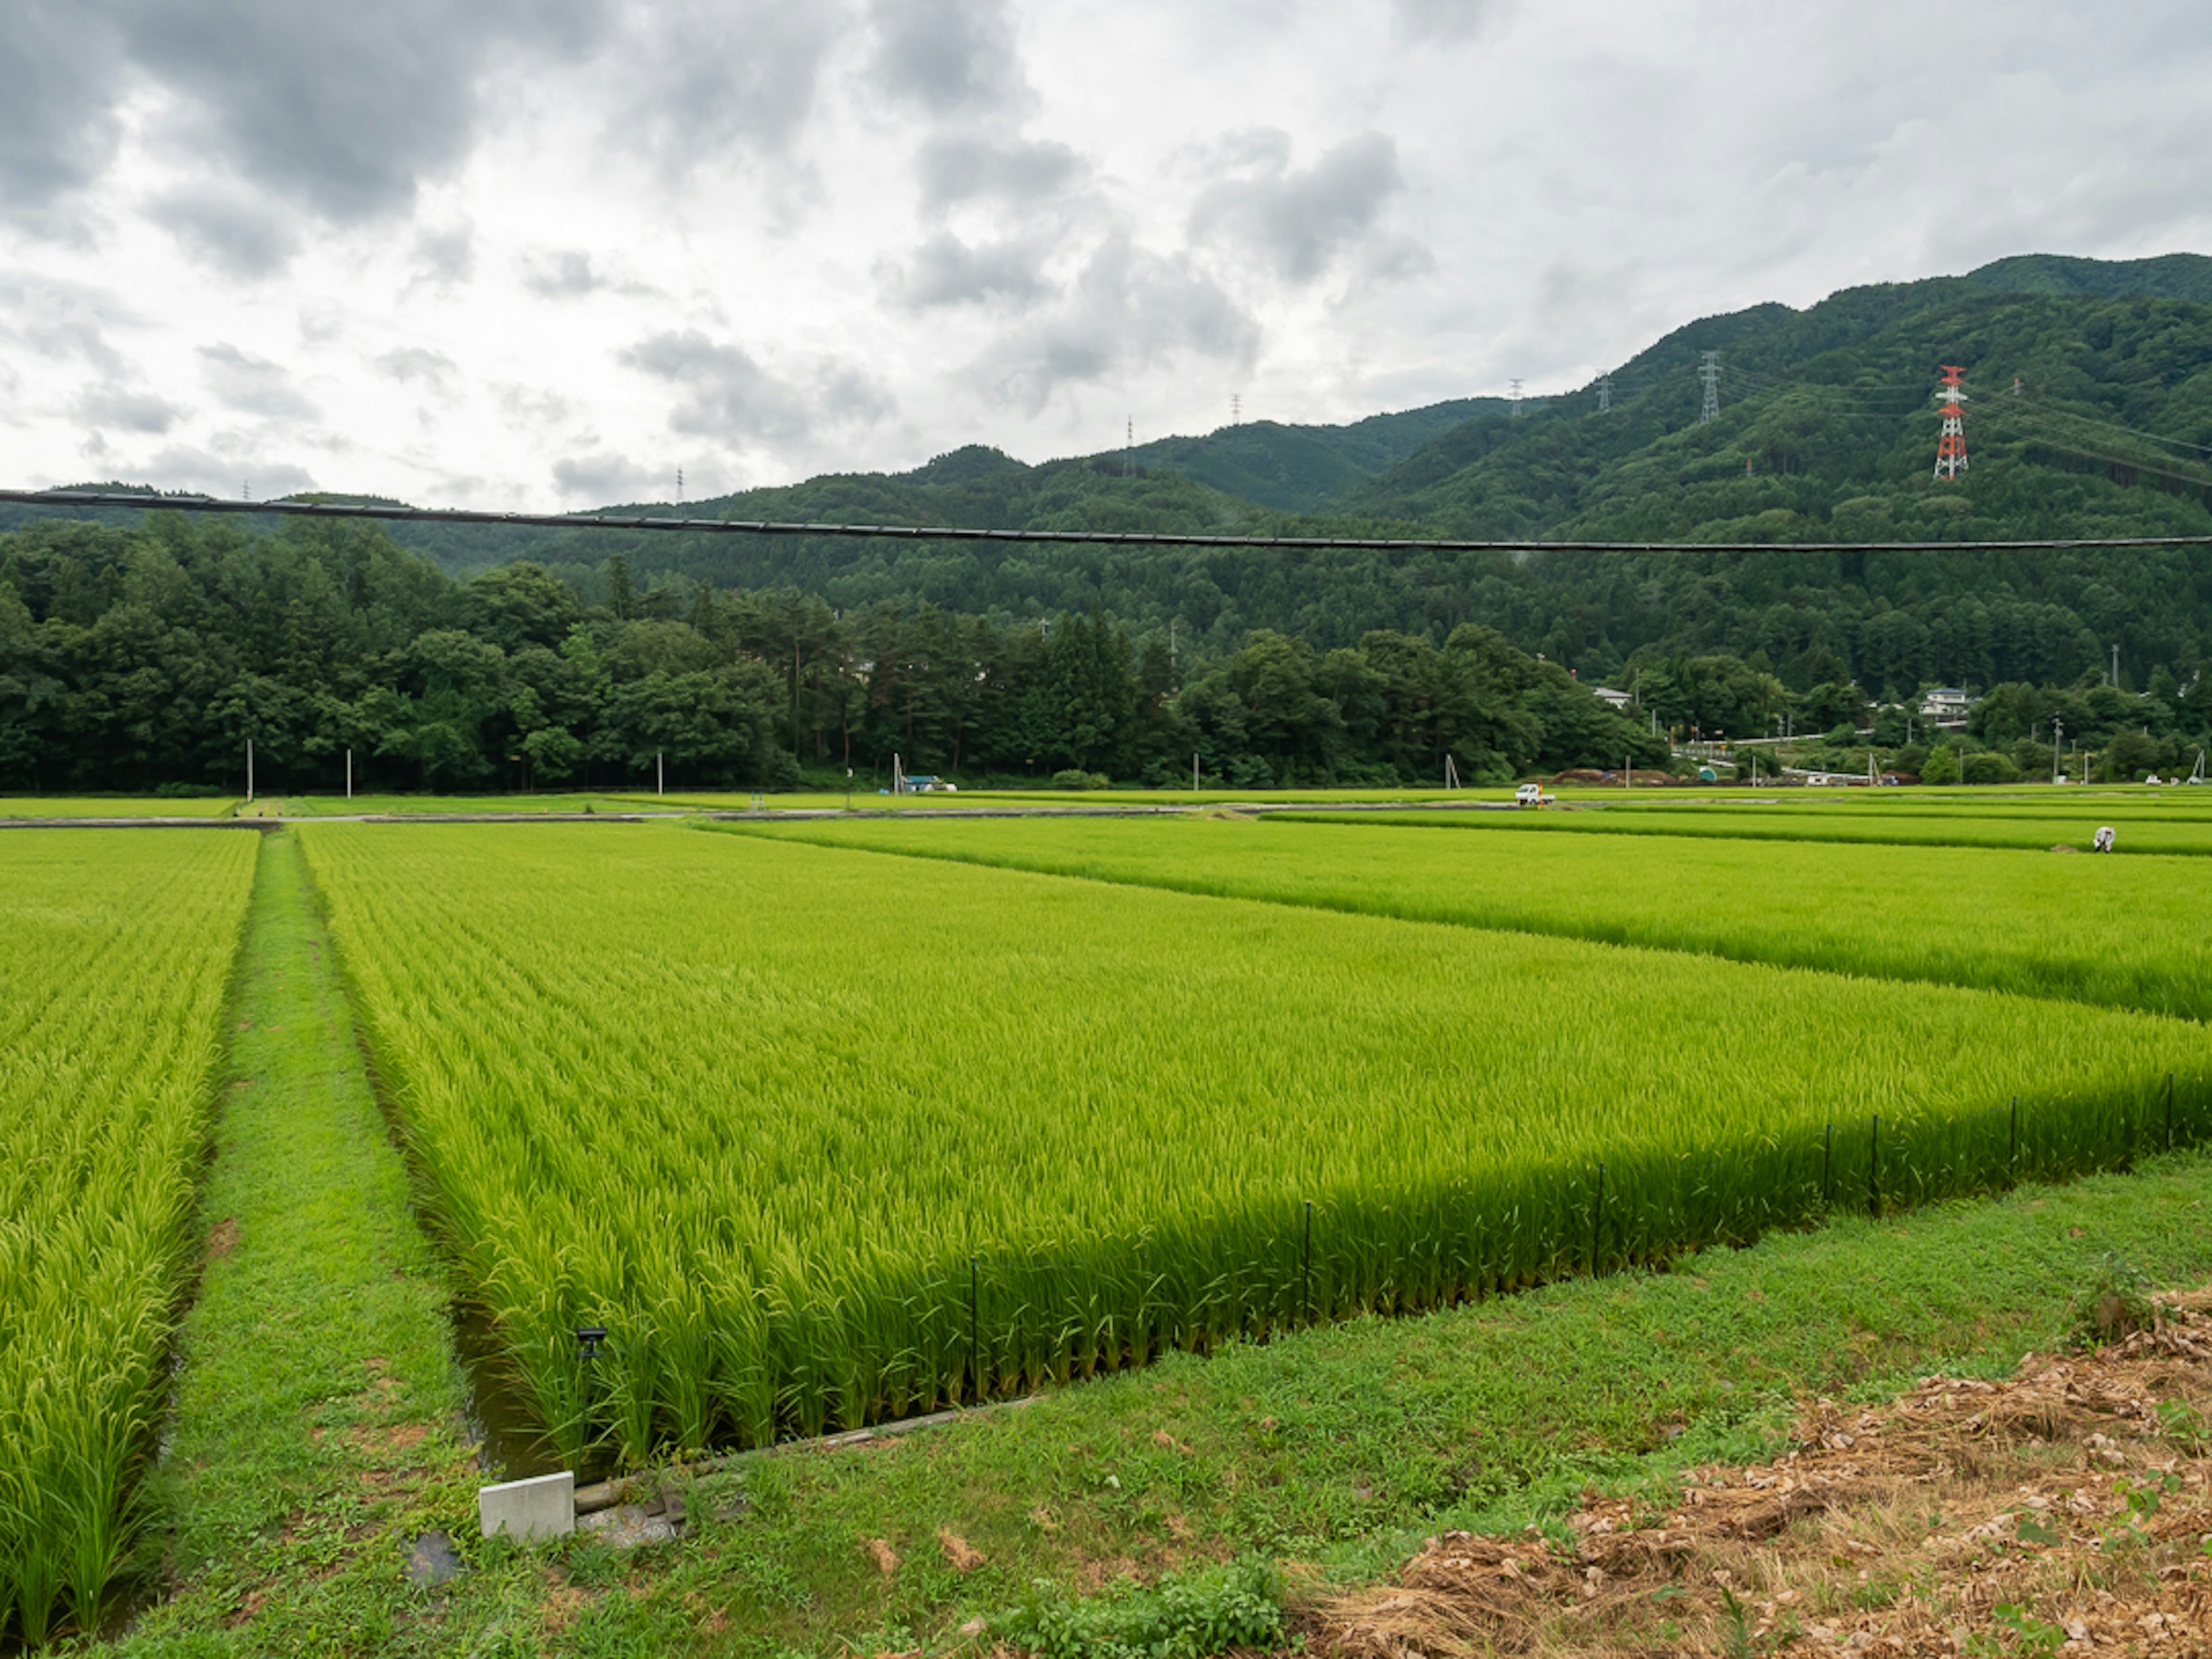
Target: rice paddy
x,y
115,945
2122,933
2176,832
820,1137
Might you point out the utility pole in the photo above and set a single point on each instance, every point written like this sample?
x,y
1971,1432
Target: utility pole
x,y
349,775
1194,774
1709,373
2116,668
1604,393
2058,735
1951,448
660,771
249,771
1173,662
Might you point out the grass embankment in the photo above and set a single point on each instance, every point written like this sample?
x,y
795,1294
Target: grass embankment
x,y
116,947
1339,1448
754,1106
2121,933
317,1417
2168,833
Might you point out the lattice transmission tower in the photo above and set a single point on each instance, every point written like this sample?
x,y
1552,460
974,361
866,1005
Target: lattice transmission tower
x,y
1708,371
1604,393
1951,448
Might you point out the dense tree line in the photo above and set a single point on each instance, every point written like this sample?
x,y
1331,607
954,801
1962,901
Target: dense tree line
x,y
138,659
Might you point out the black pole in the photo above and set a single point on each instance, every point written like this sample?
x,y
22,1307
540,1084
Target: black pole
x,y
1307,1269
2169,1111
2012,1147
1874,1171
974,1351
1597,1220
1827,1164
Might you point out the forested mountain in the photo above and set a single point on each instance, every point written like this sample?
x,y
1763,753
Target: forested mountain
x,y
143,658
2089,416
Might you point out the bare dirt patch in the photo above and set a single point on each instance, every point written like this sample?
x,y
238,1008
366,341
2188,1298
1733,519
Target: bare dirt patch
x,y
222,1238
2065,1513
959,1554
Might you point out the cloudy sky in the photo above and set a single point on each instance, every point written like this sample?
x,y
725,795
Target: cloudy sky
x,y
539,253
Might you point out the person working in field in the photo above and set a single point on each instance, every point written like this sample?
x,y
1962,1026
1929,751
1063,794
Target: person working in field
x,y
2103,843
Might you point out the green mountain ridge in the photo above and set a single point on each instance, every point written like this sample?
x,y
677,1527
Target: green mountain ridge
x,y
2089,414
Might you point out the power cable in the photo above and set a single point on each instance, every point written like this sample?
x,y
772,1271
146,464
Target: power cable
x,y
327,510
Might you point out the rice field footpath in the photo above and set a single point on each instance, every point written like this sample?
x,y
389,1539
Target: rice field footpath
x,y
115,952
822,1138
317,1432
2121,933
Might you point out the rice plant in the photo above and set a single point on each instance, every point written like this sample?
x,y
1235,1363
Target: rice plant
x,y
114,950
821,1137
2122,933
2068,822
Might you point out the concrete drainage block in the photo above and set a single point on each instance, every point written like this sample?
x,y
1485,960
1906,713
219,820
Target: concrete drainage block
x,y
542,1507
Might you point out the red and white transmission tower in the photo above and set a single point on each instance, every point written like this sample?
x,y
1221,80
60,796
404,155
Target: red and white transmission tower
x,y
1951,448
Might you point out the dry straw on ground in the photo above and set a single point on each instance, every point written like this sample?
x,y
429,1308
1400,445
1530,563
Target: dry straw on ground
x,y
2065,1512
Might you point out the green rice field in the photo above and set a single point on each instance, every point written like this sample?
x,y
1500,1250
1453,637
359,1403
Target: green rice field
x,y
2124,933
2163,833
115,947
114,806
822,1137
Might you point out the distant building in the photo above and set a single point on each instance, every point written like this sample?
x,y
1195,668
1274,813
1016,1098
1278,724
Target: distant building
x,y
1945,702
1620,700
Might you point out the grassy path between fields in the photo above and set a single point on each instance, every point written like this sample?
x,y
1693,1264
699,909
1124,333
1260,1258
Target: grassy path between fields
x,y
317,1416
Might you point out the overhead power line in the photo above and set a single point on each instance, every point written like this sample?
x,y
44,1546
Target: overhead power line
x,y
329,510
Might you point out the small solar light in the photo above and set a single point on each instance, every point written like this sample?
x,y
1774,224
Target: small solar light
x,y
588,1338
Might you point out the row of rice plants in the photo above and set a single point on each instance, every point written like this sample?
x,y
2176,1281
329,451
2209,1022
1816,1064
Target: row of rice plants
x,y
115,947
821,1137
2039,834
2122,933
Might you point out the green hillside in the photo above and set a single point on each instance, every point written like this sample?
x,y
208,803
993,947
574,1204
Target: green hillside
x,y
2089,414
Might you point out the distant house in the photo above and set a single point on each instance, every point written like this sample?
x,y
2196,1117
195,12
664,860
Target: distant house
x,y
1945,702
1620,700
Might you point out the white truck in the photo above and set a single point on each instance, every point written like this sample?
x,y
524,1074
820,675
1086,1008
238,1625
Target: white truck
x,y
1533,795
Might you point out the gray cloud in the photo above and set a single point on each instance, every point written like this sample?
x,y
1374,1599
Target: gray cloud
x,y
1129,309
343,107
730,397
253,385
1447,21
226,470
946,271
409,364
598,476
949,57
1297,221
132,411
232,231
447,255
566,275
955,169
61,319
569,274
702,78
59,81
